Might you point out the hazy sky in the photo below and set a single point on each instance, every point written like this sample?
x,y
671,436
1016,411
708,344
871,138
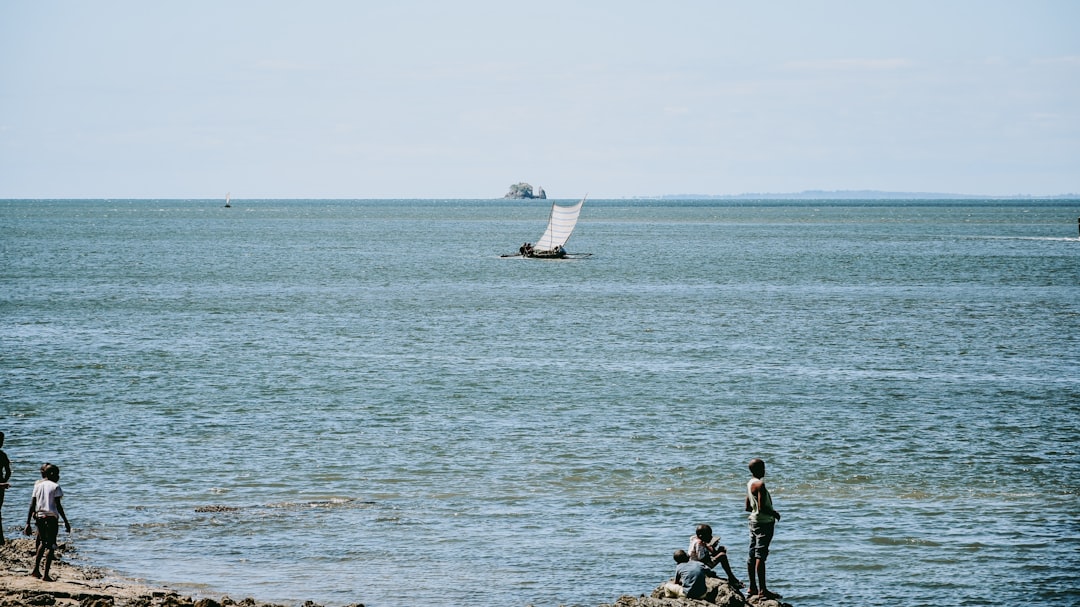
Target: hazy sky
x,y
460,99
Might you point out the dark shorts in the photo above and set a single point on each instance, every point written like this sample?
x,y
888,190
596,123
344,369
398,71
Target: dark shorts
x,y
48,527
760,538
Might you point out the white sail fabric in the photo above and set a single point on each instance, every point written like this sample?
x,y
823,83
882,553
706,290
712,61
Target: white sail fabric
x,y
560,225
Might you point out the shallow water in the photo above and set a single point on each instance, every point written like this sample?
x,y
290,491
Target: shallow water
x,y
400,416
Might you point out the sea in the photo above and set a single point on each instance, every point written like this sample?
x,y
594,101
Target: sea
x,y
362,401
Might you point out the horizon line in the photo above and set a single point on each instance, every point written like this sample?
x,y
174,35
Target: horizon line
x,y
804,194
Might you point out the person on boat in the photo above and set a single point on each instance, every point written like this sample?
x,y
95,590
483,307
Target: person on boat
x,y
689,579
705,548
763,519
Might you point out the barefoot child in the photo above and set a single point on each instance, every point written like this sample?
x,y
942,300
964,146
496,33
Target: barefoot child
x,y
45,508
762,521
709,551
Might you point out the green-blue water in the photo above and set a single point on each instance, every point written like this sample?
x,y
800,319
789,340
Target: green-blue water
x,y
403,417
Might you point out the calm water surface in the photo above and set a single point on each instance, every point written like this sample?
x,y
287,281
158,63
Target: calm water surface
x,y
399,416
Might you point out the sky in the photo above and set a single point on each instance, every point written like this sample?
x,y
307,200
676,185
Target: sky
x,y
461,99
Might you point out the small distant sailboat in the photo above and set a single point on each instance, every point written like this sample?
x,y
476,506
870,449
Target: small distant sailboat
x,y
227,199
561,223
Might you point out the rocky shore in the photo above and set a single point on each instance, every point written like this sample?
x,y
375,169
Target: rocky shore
x,y
81,586
76,586
725,596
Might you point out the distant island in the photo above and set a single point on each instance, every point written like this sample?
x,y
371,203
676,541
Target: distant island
x,y
525,191
858,195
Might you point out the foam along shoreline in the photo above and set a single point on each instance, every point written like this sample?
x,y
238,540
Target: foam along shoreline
x,y
85,586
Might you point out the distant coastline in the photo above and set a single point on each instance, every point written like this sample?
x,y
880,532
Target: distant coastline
x,y
858,195
834,195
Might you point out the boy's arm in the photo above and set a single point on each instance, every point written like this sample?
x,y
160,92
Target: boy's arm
x,y
30,514
753,489
60,509
761,489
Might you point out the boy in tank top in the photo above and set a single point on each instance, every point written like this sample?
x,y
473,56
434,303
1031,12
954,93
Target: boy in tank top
x,y
763,520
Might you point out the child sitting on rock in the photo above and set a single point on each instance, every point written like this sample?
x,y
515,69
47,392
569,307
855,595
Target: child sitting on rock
x,y
709,551
690,579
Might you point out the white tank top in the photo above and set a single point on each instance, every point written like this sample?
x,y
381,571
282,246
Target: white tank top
x,y
760,513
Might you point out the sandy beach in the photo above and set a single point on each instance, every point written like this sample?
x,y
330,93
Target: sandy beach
x,y
72,584
86,586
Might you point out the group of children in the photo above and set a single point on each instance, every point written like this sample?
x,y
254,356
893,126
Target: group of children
x,y
696,563
45,511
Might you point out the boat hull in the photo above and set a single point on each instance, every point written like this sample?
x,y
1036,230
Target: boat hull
x,y
560,254
564,255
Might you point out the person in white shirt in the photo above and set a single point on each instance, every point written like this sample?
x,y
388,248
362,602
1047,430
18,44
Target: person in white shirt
x,y
705,548
45,511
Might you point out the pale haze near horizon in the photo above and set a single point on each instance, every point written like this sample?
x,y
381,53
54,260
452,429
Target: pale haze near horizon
x,y
419,99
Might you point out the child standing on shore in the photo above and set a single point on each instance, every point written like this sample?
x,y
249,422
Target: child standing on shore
x,y
762,522
5,474
45,509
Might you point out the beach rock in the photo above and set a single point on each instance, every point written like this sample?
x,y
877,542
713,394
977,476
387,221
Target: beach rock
x,y
216,508
175,600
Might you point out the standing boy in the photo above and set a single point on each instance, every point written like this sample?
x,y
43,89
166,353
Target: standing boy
x,y
5,474
45,508
762,521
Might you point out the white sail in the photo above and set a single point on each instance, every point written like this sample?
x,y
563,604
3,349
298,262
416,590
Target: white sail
x,y
560,225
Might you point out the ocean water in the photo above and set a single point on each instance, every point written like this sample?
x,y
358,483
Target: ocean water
x,y
392,414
